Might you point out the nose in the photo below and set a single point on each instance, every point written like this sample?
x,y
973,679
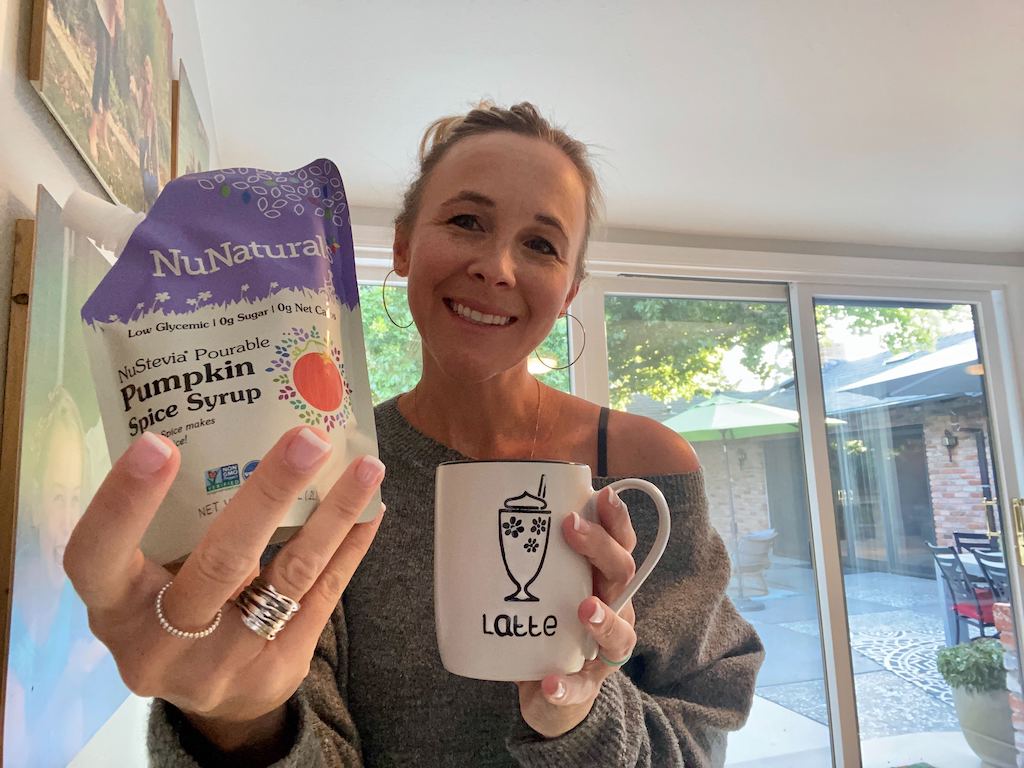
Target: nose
x,y
495,265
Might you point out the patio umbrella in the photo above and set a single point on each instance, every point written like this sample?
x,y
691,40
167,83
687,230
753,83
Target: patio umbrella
x,y
952,370
723,417
726,418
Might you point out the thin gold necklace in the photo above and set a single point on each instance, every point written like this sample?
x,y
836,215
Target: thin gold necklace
x,y
536,424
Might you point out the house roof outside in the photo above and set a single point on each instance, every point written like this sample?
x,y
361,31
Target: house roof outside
x,y
880,381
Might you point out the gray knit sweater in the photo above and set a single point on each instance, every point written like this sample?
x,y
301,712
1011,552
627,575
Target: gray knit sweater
x,y
377,695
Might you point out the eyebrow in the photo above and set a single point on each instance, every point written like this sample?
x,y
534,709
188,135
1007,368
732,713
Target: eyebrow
x,y
469,196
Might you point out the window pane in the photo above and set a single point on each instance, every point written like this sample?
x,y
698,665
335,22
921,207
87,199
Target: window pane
x,y
392,353
720,373
911,468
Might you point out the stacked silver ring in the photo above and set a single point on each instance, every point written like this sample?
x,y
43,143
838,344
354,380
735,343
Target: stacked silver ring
x,y
265,610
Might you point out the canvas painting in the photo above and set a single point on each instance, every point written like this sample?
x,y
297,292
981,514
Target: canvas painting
x,y
191,144
103,67
62,683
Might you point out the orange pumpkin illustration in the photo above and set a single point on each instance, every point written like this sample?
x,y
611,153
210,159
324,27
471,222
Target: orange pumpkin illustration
x,y
318,381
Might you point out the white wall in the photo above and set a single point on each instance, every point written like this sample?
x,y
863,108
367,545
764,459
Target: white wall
x,y
33,151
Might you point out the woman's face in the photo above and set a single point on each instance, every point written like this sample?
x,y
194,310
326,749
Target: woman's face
x,y
491,256
59,506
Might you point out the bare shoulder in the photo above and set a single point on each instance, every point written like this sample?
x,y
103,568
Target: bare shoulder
x,y
638,445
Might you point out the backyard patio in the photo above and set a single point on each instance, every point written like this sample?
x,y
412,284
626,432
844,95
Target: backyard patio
x,y
905,708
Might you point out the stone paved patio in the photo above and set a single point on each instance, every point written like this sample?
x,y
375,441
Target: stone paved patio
x,y
896,629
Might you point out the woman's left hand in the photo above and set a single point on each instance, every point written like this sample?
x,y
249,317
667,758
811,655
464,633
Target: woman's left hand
x,y
558,703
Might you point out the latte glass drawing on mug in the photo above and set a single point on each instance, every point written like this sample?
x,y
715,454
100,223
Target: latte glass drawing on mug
x,y
524,523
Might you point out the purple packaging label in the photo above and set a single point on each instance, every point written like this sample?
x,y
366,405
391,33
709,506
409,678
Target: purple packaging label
x,y
208,238
231,316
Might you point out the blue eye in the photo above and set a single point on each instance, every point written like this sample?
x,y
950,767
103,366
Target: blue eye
x,y
541,245
465,221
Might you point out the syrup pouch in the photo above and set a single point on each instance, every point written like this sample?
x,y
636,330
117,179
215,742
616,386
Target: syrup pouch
x,y
232,315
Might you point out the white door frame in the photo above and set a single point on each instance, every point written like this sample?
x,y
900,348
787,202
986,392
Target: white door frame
x,y
591,381
836,655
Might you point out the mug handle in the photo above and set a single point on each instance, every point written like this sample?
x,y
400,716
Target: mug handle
x,y
660,541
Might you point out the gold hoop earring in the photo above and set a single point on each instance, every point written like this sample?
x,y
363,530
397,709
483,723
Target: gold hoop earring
x,y
583,330
384,301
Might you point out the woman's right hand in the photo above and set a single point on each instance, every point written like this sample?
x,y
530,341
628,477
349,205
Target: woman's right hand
x,y
232,681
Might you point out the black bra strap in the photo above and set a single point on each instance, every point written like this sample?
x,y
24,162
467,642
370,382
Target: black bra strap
x,y
602,444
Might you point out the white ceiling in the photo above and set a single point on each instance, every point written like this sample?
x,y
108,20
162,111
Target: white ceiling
x,y
887,122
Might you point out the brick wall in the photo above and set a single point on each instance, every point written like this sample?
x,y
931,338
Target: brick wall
x,y
954,485
748,485
1008,638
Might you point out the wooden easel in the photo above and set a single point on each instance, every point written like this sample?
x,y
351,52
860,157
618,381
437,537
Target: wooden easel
x,y
10,445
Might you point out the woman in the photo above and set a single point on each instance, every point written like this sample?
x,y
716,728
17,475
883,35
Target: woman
x,y
491,238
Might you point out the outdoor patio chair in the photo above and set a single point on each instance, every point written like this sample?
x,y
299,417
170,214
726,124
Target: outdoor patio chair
x,y
993,565
971,541
754,559
972,605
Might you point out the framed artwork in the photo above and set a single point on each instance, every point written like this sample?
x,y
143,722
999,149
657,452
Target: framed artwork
x,y
103,68
61,683
190,146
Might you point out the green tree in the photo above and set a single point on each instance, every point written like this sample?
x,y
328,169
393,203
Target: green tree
x,y
392,353
671,349
903,329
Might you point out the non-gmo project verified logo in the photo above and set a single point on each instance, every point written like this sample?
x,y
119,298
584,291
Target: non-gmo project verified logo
x,y
222,477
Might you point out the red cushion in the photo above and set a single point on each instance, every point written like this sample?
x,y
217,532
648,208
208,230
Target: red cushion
x,y
970,610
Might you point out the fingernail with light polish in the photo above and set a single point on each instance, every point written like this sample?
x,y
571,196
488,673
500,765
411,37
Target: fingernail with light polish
x,y
613,499
370,470
559,691
579,524
598,615
306,449
148,454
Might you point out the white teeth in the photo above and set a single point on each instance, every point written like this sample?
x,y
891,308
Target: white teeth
x,y
479,317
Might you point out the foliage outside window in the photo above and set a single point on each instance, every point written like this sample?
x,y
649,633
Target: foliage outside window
x,y
393,354
674,349
976,666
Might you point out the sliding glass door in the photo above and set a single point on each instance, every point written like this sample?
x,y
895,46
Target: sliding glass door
x,y
913,472
714,362
850,445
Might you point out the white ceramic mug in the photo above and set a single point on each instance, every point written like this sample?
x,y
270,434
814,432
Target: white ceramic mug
x,y
506,583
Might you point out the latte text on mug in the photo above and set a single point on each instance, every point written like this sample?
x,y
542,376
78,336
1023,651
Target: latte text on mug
x,y
504,625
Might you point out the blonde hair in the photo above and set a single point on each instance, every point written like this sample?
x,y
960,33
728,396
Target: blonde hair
x,y
522,119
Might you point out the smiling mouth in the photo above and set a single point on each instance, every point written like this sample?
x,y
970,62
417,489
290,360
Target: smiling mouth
x,y
476,317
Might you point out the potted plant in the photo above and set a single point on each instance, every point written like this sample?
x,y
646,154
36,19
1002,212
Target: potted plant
x,y
975,673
